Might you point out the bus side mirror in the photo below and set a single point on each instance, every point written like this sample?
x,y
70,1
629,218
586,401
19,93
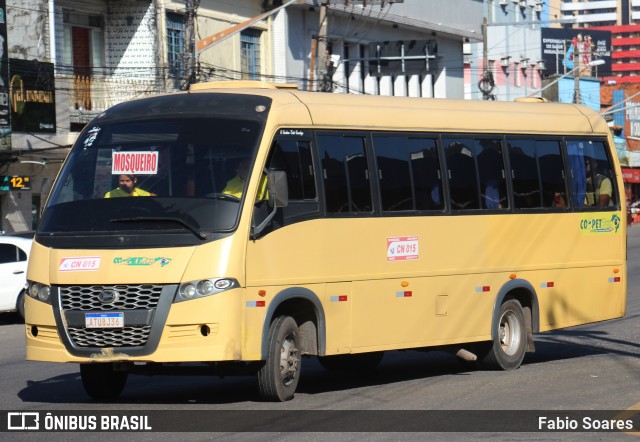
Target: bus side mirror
x,y
278,197
278,189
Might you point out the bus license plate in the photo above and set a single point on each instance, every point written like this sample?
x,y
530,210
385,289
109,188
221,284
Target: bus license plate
x,y
104,320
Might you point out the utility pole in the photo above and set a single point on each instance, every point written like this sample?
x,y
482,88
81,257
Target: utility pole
x,y
322,50
486,84
189,60
576,76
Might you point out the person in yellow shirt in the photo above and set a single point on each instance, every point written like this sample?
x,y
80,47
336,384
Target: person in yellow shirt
x,y
127,187
599,188
235,186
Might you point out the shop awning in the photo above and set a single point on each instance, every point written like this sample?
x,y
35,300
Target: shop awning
x,y
631,175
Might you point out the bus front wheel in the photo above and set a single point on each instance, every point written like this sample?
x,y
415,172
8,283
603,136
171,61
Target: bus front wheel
x,y
507,350
101,381
278,378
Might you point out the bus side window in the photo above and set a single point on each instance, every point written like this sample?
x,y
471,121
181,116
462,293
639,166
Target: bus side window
x,y
538,174
294,157
491,171
525,174
592,178
463,178
347,186
409,173
554,189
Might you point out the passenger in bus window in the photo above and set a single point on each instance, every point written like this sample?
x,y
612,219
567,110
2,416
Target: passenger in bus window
x,y
235,186
491,195
559,200
127,187
599,189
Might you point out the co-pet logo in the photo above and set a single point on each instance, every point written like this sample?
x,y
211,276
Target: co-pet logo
x,y
21,420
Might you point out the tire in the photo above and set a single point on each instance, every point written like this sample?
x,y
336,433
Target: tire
x,y
101,381
507,351
352,363
278,378
20,305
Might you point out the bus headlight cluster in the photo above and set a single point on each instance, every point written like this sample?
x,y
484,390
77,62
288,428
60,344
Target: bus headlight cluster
x,y
41,292
205,287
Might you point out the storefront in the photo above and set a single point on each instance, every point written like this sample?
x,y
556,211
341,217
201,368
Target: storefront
x,y
631,178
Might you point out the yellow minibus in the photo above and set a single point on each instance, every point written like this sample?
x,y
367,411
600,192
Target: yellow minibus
x,y
240,227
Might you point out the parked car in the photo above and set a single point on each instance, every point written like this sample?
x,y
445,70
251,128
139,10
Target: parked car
x,y
14,254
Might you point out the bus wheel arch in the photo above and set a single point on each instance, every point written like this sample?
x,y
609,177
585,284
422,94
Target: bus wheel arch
x,y
515,320
305,308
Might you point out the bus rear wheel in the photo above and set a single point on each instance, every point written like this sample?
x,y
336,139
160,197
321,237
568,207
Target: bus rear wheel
x,y
101,381
278,378
507,350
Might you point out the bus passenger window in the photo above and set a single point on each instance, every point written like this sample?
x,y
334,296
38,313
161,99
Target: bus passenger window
x,y
554,189
463,178
524,173
493,184
345,173
409,173
537,171
592,179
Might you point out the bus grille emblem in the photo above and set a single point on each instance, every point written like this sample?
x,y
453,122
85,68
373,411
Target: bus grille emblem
x,y
108,296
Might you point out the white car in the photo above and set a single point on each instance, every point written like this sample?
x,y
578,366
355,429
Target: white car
x,y
14,255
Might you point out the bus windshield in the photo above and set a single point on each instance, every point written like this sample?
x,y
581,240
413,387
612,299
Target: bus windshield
x,y
186,174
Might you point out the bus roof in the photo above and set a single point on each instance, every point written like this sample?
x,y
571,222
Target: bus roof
x,y
331,110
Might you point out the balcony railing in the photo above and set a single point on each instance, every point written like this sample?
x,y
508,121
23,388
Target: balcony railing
x,y
90,95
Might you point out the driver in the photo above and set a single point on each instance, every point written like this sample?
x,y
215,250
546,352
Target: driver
x,y
127,187
235,186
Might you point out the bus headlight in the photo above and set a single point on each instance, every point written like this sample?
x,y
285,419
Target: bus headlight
x,y
205,287
41,292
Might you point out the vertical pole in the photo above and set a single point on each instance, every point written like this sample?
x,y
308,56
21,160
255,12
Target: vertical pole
x,y
485,45
312,63
188,44
322,49
486,89
576,75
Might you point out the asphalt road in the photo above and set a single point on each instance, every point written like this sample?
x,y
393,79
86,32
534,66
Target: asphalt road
x,y
588,368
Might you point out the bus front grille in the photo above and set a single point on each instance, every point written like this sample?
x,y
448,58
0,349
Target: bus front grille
x,y
125,297
108,337
132,300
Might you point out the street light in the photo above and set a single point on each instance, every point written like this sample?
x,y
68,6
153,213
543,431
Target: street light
x,y
590,64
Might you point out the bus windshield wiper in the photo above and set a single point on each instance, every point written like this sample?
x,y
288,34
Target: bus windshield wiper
x,y
192,229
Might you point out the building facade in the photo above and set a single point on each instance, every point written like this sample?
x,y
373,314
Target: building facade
x,y
514,66
83,56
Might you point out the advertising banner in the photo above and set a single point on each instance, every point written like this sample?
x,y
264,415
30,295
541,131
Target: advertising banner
x,y
32,96
560,47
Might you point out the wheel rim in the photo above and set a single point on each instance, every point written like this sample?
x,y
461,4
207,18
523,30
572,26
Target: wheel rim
x,y
289,360
509,333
